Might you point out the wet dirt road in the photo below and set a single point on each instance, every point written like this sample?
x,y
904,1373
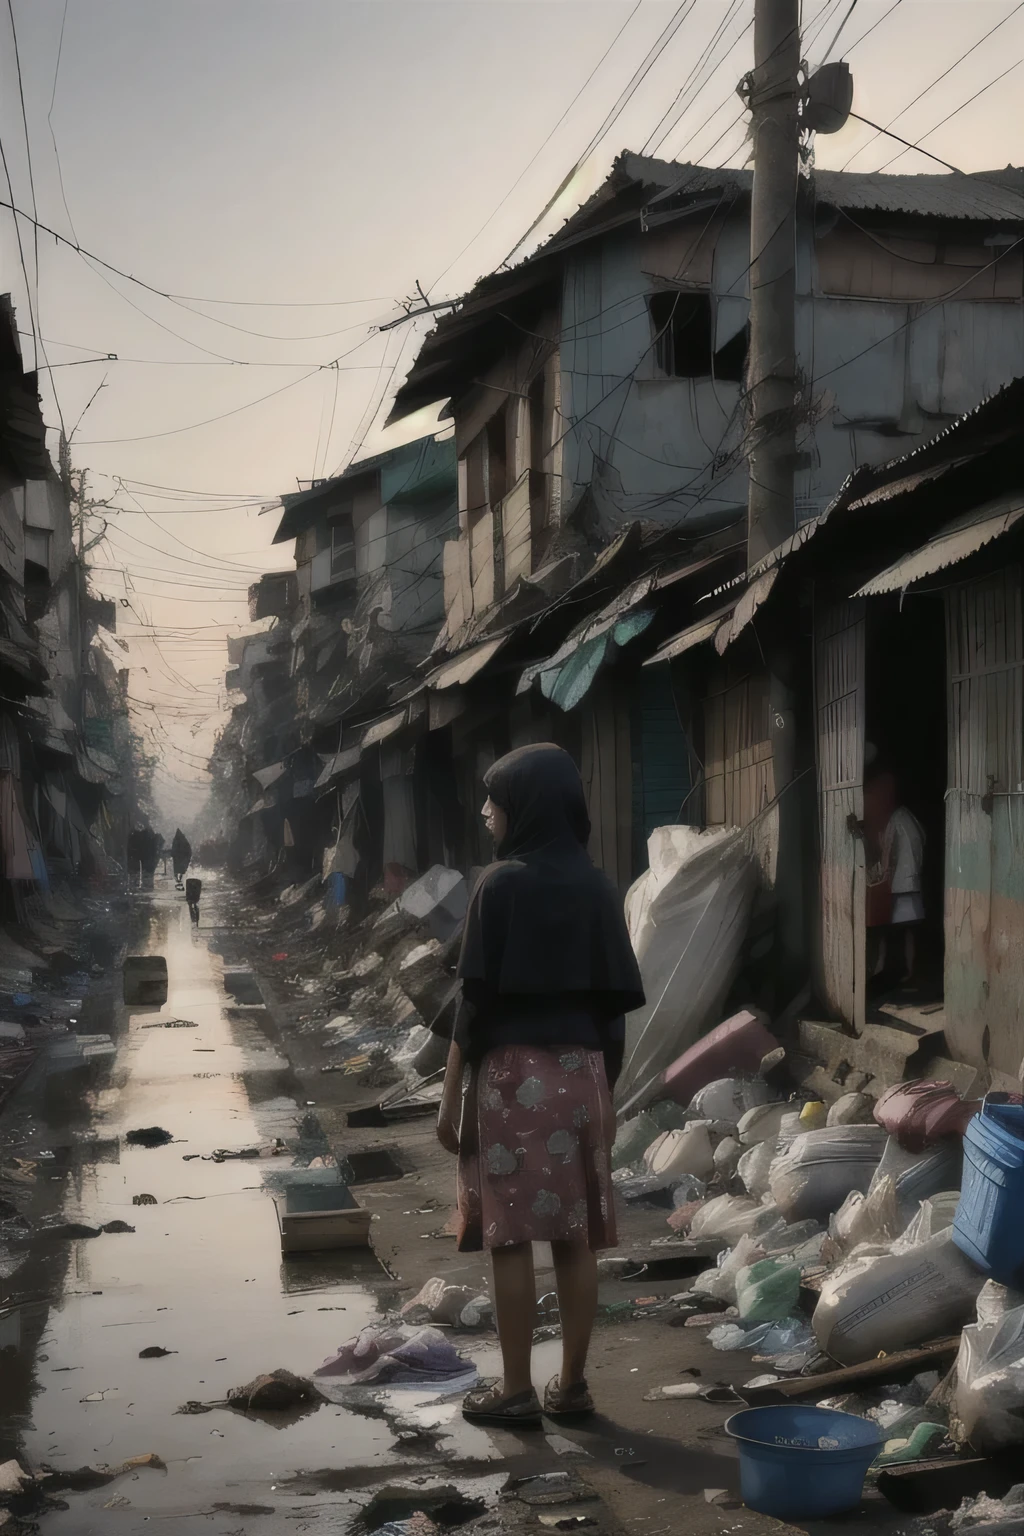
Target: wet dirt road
x,y
202,1277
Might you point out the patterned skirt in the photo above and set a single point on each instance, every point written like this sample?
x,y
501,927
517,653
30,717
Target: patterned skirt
x,y
535,1150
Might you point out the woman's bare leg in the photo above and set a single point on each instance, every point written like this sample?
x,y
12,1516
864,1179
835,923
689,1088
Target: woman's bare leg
x,y
576,1283
515,1311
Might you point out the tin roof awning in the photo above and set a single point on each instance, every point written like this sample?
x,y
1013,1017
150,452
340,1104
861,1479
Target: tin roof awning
x,y
267,776
466,665
955,541
381,730
696,634
338,765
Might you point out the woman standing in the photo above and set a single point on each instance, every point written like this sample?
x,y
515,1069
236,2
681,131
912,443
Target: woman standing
x,y
547,975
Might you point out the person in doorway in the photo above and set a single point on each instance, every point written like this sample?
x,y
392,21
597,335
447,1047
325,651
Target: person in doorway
x,y
903,857
548,974
193,891
181,856
879,806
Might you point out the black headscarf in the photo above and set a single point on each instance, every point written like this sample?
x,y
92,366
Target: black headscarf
x,y
543,919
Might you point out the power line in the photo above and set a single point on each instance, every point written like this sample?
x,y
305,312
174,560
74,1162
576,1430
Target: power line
x,y
874,25
532,162
625,97
949,115
654,143
188,298
938,79
145,437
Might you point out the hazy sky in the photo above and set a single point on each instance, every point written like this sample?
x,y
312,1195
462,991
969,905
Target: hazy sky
x,y
315,158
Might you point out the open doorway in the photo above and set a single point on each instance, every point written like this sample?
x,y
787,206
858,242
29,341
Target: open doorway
x,y
905,770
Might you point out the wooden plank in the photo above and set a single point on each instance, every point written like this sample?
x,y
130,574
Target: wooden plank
x,y
839,706
902,1365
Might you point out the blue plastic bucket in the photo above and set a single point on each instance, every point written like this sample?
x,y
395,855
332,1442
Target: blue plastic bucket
x,y
988,1226
800,1463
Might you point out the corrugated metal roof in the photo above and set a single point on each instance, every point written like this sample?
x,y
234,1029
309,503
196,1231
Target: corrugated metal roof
x,y
986,195
639,182
959,538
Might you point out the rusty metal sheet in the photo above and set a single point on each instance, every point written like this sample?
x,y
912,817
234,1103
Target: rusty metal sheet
x,y
466,665
746,607
381,730
267,776
959,538
696,634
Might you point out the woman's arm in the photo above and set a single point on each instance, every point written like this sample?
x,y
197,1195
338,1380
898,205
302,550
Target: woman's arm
x,y
450,1111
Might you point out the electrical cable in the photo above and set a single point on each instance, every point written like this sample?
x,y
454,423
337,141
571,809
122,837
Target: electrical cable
x,y
949,116
181,298
612,117
655,147
938,79
530,163
146,437
839,31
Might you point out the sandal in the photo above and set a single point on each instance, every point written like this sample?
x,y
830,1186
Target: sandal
x,y
573,1402
485,1405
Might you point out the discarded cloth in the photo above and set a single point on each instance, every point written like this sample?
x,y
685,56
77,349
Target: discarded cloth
x,y
386,1355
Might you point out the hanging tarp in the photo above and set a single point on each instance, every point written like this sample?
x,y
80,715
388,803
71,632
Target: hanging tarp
x,y
566,677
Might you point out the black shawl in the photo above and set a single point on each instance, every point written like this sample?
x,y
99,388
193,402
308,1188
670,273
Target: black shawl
x,y
543,920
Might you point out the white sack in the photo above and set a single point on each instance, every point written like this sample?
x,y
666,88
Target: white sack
x,y
687,917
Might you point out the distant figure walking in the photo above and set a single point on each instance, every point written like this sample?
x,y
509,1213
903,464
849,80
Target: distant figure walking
x,y
193,891
181,856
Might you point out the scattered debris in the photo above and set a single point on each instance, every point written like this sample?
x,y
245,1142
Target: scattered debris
x,y
155,1352
144,1200
275,1393
149,1136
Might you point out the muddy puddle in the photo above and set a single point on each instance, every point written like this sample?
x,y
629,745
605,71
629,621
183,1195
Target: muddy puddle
x,y
202,1278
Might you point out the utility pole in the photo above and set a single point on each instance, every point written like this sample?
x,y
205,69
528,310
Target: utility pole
x,y
772,95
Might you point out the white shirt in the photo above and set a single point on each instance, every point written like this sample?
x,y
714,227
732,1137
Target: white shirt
x,y
904,851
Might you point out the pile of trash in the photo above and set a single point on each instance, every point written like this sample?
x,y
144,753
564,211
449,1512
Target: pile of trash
x,y
836,1260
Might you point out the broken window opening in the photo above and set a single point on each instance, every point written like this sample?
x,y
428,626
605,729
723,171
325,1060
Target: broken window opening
x,y
683,329
343,550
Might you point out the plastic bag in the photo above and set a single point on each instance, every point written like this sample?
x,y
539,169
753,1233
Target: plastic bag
x,y
933,1216
763,1123
919,1175
687,917
852,1109
990,1383
768,1291
730,1217
721,1282
754,1169
730,1098
676,1153
821,1168
727,1156
995,1300
871,1218
788,1336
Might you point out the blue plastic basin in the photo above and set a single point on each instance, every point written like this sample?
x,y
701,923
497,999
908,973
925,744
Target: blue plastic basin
x,y
799,1463
987,1226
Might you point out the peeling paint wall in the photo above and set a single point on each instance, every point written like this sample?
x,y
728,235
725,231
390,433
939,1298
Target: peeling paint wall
x,y
885,372
984,969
